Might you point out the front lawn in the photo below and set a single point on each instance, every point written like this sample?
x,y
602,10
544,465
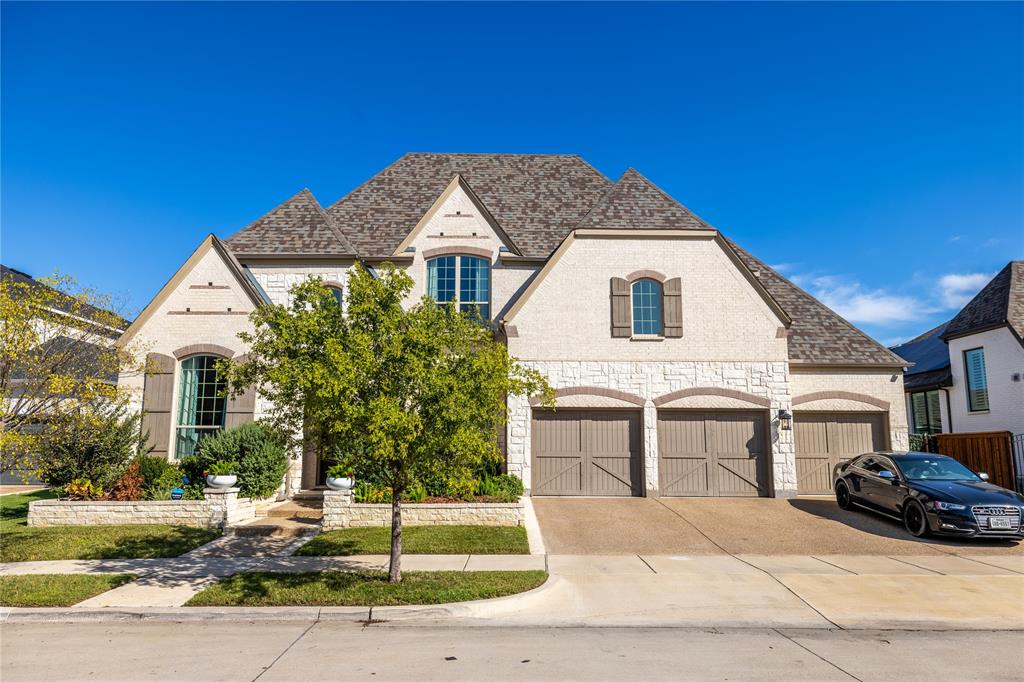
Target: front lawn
x,y
18,542
364,588
55,590
420,540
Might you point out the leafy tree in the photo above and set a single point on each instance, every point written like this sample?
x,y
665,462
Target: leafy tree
x,y
411,391
57,353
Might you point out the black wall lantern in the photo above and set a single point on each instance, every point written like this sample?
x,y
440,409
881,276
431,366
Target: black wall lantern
x,y
785,420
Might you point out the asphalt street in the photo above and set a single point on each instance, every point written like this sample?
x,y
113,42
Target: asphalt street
x,y
225,650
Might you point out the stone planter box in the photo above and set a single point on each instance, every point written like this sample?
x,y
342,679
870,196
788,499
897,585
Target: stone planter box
x,y
341,512
220,508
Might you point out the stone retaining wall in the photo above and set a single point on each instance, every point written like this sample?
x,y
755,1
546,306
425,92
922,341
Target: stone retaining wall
x,y
341,512
220,508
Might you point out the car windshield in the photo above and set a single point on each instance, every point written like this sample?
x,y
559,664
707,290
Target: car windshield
x,y
937,469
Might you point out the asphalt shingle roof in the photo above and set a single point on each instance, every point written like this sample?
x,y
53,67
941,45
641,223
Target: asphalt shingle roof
x,y
637,203
535,198
1000,302
296,227
64,302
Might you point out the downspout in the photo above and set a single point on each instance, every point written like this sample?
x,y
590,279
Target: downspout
x,y
949,409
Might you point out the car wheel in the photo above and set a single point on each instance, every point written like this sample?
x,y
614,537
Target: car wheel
x,y
915,520
843,498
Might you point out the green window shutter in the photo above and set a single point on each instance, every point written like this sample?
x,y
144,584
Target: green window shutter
x,y
622,317
977,382
672,292
156,402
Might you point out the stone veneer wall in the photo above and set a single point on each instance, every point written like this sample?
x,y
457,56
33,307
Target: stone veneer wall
x,y
650,380
341,512
220,508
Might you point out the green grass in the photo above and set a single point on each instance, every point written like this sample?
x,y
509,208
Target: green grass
x,y
420,540
18,542
364,588
55,590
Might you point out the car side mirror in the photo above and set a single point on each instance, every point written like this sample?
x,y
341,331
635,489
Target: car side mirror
x,y
887,475
982,475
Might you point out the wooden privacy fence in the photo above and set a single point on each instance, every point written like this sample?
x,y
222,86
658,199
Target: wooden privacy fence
x,y
991,452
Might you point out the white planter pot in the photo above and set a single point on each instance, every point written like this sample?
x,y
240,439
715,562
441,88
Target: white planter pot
x,y
340,483
222,481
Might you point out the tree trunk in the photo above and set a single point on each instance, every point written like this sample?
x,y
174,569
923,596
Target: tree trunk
x,y
395,574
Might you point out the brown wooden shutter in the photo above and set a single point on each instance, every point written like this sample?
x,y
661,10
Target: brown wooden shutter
x,y
240,408
672,305
156,402
622,316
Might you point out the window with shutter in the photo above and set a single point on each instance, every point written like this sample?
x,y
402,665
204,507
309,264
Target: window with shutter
x,y
647,306
977,382
621,316
925,412
156,402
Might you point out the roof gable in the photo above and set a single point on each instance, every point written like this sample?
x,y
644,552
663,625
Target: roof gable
x,y
299,226
634,202
536,199
1000,302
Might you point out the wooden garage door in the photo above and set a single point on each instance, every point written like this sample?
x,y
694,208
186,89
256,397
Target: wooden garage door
x,y
587,452
712,454
824,439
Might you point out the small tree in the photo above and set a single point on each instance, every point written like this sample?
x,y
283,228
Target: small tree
x,y
410,391
57,354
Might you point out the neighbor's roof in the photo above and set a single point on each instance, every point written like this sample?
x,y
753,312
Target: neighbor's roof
x,y
930,356
1000,303
537,200
66,303
299,226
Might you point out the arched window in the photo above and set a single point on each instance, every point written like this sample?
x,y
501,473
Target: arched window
x,y
647,317
201,403
466,280
336,292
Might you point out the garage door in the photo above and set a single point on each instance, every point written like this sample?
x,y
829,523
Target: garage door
x,y
712,454
587,452
824,439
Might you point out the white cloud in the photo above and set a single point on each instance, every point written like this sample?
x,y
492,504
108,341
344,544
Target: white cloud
x,y
782,267
956,290
870,307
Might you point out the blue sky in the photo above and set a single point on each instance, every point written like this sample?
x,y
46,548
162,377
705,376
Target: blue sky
x,y
873,152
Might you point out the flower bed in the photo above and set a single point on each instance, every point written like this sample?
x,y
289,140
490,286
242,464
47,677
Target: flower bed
x,y
341,512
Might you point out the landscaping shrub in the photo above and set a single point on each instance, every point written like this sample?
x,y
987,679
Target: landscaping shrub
x,y
94,443
160,489
154,468
370,493
82,489
130,486
258,453
504,487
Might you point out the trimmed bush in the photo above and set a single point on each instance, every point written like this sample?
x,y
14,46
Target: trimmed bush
x,y
260,456
94,443
506,488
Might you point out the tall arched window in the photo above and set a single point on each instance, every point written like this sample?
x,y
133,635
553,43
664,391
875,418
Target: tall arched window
x,y
201,403
466,280
336,292
647,317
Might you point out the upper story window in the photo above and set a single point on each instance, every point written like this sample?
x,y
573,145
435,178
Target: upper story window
x,y
466,280
977,383
647,317
925,412
201,403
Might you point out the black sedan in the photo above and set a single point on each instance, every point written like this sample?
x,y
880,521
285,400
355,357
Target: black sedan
x,y
930,494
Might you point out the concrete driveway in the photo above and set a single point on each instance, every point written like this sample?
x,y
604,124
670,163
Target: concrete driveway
x,y
696,526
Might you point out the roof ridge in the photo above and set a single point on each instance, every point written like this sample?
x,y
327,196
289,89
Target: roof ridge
x,y
668,196
366,182
332,225
279,205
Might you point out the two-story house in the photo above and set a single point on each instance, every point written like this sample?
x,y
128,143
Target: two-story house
x,y
968,373
683,365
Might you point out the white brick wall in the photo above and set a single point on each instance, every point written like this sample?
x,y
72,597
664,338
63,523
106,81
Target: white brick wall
x,y
650,380
341,512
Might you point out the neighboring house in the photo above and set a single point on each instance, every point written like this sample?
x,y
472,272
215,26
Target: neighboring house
x,y
683,365
968,374
101,330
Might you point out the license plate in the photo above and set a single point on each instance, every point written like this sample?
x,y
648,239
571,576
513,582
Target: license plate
x,y
1000,523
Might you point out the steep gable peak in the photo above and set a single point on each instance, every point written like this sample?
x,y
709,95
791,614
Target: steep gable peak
x,y
297,226
634,202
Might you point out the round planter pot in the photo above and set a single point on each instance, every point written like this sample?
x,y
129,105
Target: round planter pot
x,y
221,481
340,483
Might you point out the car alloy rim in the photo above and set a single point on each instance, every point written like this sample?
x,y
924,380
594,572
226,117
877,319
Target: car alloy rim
x,y
915,518
844,494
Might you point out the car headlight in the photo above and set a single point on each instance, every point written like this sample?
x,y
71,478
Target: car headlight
x,y
948,506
